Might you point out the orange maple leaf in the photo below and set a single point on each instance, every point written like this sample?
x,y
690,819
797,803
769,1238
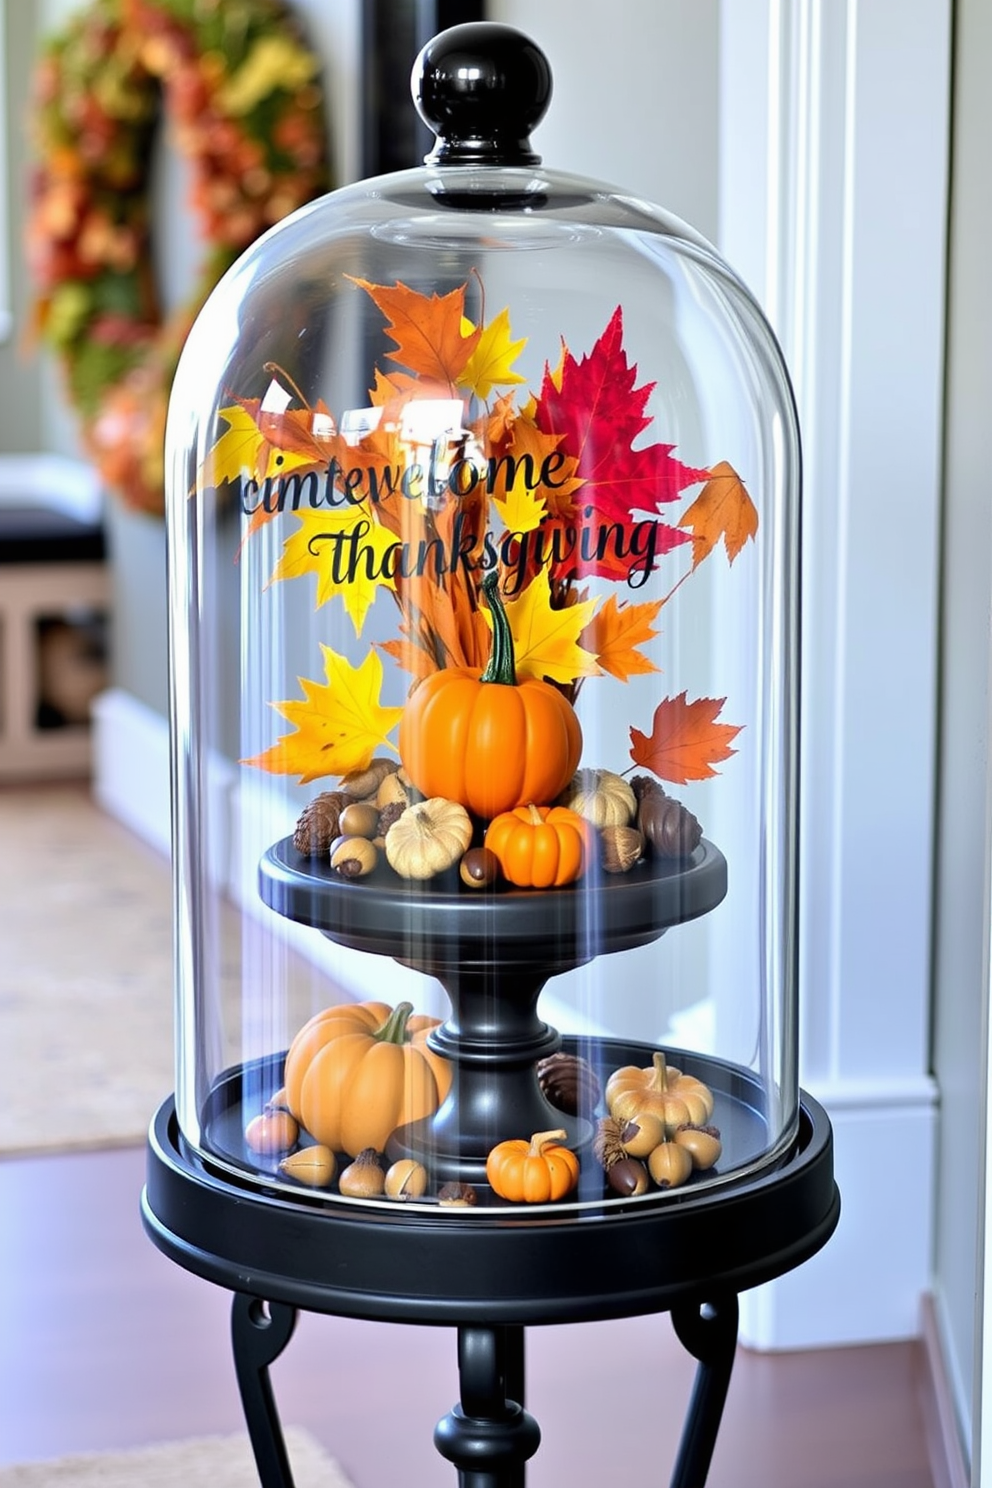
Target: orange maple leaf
x,y
616,632
427,329
685,740
723,509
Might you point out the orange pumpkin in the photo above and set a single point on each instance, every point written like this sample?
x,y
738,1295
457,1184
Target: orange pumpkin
x,y
534,1172
486,740
356,1072
540,847
659,1090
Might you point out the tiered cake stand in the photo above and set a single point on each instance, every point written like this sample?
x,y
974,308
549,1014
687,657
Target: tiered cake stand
x,y
491,1271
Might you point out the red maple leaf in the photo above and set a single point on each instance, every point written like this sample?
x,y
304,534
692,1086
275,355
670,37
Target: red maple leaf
x,y
595,407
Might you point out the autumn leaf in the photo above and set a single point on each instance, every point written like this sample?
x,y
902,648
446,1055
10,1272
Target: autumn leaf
x,y
723,509
491,362
244,450
546,641
685,740
427,329
616,632
339,726
345,550
521,509
595,407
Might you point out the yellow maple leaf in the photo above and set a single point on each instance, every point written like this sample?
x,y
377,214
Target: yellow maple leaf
x,y
244,450
339,725
346,549
490,364
615,634
521,509
546,641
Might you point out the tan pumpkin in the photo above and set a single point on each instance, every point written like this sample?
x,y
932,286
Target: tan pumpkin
x,y
679,1100
603,798
356,1072
428,838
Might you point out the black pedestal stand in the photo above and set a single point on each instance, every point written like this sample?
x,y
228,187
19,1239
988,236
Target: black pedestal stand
x,y
491,1271
489,1274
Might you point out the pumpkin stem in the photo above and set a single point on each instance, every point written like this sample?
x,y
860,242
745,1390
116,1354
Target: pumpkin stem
x,y
659,1080
393,1031
501,666
535,815
540,1140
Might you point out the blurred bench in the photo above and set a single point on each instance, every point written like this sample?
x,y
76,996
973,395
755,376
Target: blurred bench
x,y
54,612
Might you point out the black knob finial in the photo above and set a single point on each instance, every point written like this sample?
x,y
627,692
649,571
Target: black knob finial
x,y
481,88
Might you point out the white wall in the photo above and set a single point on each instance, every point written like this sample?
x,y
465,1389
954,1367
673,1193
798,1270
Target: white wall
x,y
961,947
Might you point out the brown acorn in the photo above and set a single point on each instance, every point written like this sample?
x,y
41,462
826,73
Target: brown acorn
x,y
628,1177
312,1166
479,868
363,1178
361,784
406,1179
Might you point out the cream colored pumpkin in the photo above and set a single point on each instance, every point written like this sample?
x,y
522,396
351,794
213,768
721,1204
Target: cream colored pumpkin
x,y
603,798
428,838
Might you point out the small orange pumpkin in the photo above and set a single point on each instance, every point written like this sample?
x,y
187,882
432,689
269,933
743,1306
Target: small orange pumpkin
x,y
541,847
680,1100
489,741
534,1172
356,1072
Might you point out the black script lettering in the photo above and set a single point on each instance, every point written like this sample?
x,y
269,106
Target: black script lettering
x,y
554,461
249,488
292,486
638,574
510,477
463,545
413,475
390,479
463,478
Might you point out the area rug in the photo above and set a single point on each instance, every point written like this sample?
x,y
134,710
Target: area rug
x,y
203,1462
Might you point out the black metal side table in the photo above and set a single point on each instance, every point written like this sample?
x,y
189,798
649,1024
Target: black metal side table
x,y
489,1274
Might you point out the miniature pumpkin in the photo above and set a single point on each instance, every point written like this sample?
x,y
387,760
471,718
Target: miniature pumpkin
x,y
428,838
533,1172
486,740
356,1072
602,797
680,1100
540,847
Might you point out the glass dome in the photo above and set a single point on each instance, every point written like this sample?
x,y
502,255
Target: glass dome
x,y
483,548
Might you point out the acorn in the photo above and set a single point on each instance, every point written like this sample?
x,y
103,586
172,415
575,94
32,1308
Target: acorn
x,y
353,857
702,1144
479,868
359,819
363,1178
406,1179
628,1177
392,791
272,1131
620,848
457,1195
361,784
313,1166
669,1165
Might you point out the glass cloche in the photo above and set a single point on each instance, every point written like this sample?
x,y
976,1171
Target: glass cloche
x,y
483,546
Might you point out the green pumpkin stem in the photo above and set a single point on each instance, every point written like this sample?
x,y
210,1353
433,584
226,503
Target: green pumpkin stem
x,y
501,666
393,1031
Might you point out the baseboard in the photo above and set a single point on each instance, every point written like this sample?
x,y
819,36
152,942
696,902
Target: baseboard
x,y
865,1285
948,1465
131,765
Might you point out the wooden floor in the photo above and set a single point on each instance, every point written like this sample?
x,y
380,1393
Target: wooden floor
x,y
104,1343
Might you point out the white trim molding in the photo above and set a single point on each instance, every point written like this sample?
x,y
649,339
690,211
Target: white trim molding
x,y
835,118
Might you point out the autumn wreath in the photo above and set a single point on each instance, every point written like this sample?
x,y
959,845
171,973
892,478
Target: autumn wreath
x,y
241,92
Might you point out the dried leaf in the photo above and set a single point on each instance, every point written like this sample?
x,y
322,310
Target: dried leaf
x,y
685,740
427,330
339,726
545,640
723,509
490,364
615,634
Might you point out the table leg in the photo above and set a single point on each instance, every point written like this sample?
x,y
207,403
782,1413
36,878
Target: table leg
x,y
488,1436
709,1332
260,1331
